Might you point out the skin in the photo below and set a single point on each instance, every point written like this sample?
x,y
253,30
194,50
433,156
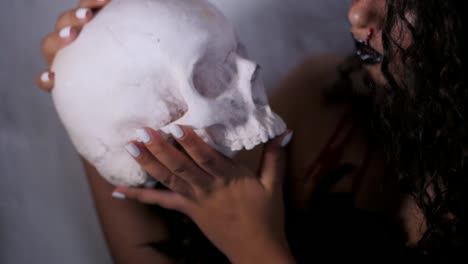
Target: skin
x,y
203,184
364,16
258,236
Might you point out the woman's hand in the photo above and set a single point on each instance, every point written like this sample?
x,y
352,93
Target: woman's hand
x,y
67,28
240,212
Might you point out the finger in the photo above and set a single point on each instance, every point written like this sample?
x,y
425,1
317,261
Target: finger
x,y
57,40
203,154
45,80
93,3
165,199
75,17
155,169
174,160
274,162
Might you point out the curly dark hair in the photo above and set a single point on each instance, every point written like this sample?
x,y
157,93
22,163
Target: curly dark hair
x,y
422,116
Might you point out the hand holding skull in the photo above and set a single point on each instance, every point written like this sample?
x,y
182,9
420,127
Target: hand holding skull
x,y
240,212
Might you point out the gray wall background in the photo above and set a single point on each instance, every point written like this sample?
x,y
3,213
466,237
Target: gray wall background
x,y
46,211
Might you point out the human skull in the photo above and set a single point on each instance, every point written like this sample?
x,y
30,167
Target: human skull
x,y
156,63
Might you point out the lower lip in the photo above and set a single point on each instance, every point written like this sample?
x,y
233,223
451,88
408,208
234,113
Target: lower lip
x,y
364,56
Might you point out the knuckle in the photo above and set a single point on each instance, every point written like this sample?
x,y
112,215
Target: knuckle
x,y
180,168
155,148
63,15
189,141
62,19
144,159
84,3
208,162
91,3
141,196
178,185
167,180
186,191
40,84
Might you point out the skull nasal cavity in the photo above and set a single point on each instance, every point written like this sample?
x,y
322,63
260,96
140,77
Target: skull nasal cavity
x,y
213,78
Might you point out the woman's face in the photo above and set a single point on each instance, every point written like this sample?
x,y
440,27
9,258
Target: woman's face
x,y
367,21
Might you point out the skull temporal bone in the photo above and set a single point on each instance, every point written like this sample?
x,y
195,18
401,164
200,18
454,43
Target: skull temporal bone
x,y
168,62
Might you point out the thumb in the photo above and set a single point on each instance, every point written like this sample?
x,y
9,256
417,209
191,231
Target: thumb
x,y
274,161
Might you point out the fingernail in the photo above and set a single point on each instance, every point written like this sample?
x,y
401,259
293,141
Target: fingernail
x,y
45,78
287,139
119,196
65,32
133,150
143,135
176,131
81,13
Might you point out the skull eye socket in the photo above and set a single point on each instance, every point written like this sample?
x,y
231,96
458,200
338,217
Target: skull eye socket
x,y
212,78
256,74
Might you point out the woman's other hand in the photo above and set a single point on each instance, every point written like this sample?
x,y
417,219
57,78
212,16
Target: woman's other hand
x,y
241,212
67,28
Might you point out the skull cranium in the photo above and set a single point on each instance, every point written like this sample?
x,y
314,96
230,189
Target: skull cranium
x,y
156,63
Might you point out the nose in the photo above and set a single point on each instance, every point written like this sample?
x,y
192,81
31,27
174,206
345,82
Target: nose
x,y
366,14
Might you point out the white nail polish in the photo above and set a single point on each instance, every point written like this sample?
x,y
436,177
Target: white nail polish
x,y
133,150
286,139
81,13
176,131
45,77
143,135
119,196
65,32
